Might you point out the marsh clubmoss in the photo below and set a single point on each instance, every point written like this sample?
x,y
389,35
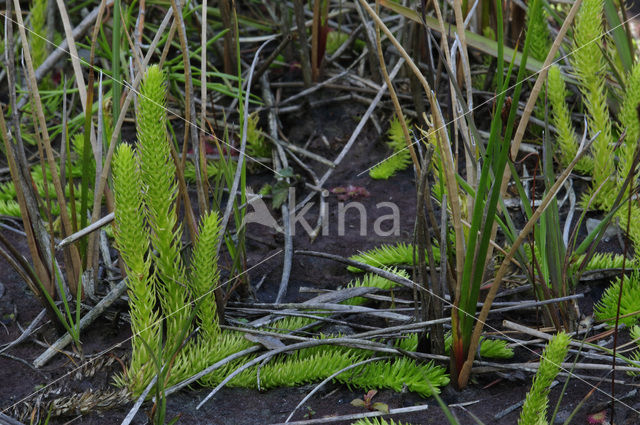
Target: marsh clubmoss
x,y
43,183
400,157
588,63
130,224
257,145
165,293
489,348
373,281
590,70
38,33
534,410
634,333
539,31
607,307
389,255
561,118
376,421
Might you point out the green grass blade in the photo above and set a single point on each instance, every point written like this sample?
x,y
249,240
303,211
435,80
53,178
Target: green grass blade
x,y
619,35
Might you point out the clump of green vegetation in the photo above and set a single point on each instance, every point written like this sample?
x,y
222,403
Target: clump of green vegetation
x,y
257,145
607,307
588,63
213,171
534,411
389,255
335,40
372,280
400,157
567,141
162,285
634,333
44,185
540,36
376,421
489,348
38,36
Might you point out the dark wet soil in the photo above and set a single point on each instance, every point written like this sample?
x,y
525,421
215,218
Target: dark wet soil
x,y
24,388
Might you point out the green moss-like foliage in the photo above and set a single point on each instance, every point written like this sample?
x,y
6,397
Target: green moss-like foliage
x,y
316,363
535,405
495,349
628,117
538,31
206,352
301,367
567,142
8,197
606,308
312,364
375,281
602,260
588,64
145,214
400,157
213,170
141,283
158,180
38,34
334,41
408,342
205,275
489,348
376,421
629,121
397,373
257,145
150,241
634,332
9,208
389,255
